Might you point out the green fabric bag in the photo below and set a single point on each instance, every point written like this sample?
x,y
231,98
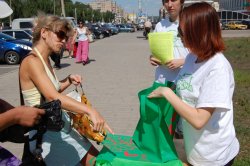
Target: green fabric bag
x,y
155,129
120,150
152,143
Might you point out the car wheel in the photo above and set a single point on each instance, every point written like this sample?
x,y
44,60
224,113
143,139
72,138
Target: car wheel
x,y
101,36
12,58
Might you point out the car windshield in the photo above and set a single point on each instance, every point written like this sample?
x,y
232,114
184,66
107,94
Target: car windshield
x,y
28,31
6,37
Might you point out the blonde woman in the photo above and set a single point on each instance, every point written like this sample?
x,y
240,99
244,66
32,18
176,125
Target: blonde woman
x,y
38,79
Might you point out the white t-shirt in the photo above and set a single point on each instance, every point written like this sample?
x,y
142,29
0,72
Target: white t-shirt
x,y
209,84
163,73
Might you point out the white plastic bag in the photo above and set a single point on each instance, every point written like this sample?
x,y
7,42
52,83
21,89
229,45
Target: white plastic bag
x,y
75,95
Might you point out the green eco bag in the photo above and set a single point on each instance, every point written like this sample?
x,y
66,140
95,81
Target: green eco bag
x,y
120,150
155,129
154,147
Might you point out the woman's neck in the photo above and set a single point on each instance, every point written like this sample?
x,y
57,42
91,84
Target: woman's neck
x,y
44,51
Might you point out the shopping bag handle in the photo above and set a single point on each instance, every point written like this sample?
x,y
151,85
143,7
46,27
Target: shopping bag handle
x,y
80,87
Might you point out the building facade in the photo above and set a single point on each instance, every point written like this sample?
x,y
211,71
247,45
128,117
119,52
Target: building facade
x,y
108,5
103,5
234,4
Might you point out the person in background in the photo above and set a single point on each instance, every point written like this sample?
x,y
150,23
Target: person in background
x,y
170,70
82,54
147,28
205,87
38,79
70,44
56,57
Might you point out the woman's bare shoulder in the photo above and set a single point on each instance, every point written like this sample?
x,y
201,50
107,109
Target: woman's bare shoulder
x,y
31,63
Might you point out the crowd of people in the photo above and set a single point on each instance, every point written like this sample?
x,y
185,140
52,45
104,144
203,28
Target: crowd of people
x,y
203,79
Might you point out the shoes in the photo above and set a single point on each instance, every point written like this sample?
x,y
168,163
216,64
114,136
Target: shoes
x,y
86,62
178,135
57,67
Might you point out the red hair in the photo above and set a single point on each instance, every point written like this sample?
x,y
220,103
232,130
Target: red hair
x,y
202,33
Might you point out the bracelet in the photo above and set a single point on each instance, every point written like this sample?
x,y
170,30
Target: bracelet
x,y
69,79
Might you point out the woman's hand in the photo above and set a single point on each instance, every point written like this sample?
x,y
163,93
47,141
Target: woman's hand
x,y
175,63
159,92
75,79
99,122
154,61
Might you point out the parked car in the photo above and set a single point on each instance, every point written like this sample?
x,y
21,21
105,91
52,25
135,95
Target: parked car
x,y
97,33
12,50
20,23
24,34
104,32
72,21
246,22
106,28
236,25
140,26
124,28
132,26
114,30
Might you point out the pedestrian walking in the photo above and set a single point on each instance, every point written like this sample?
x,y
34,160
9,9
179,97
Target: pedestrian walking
x,y
82,54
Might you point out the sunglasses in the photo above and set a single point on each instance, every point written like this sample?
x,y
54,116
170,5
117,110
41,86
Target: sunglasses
x,y
180,32
60,34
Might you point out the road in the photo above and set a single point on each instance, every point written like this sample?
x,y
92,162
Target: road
x,y
119,69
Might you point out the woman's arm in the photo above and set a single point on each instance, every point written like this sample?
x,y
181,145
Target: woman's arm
x,y
25,116
38,76
197,117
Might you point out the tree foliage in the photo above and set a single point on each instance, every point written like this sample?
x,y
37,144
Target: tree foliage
x,y
30,8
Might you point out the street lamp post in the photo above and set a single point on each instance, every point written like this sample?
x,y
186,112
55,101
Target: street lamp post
x,y
54,5
10,16
63,8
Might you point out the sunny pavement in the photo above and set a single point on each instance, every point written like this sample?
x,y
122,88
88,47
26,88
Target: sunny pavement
x,y
119,68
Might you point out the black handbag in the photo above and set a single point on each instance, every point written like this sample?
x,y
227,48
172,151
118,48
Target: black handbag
x,y
52,121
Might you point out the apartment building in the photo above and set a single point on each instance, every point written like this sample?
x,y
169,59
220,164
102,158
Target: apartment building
x,y
107,5
102,5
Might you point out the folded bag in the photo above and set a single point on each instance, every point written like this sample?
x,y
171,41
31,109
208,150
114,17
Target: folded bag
x,y
152,142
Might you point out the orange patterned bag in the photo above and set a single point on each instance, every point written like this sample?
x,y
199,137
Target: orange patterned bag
x,y
82,123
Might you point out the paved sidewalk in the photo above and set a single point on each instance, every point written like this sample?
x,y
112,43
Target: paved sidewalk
x,y
118,70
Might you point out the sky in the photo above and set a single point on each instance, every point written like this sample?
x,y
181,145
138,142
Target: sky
x,y
149,7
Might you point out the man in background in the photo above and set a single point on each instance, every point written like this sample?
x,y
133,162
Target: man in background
x,y
147,28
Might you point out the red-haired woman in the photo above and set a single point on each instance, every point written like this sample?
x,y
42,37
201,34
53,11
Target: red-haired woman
x,y
205,88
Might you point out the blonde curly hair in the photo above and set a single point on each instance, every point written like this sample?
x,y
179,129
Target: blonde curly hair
x,y
54,23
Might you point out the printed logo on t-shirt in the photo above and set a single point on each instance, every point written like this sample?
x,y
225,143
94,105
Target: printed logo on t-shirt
x,y
184,83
